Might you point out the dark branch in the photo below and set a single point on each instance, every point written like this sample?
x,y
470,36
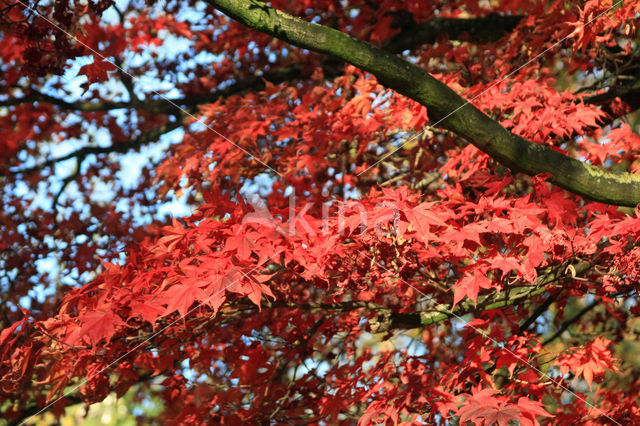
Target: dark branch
x,y
173,106
568,323
65,182
485,29
541,309
87,106
628,93
81,153
480,30
445,106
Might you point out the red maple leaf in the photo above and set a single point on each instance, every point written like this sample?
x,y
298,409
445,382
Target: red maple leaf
x,y
96,72
470,286
589,361
180,297
530,410
421,218
147,310
484,409
98,325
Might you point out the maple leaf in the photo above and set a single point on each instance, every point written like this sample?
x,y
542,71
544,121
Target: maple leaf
x,y
253,291
530,410
560,208
147,310
505,264
421,218
99,325
243,244
58,382
467,233
590,361
179,297
470,286
484,408
97,71
9,332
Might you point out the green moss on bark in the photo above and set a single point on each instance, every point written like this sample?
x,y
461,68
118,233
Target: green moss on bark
x,y
442,103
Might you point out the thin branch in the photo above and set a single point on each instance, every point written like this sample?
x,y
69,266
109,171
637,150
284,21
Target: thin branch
x,y
125,78
174,105
118,148
629,93
66,181
541,309
85,106
568,323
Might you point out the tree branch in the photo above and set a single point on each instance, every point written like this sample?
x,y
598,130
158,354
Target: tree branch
x,y
628,93
86,106
482,30
171,106
425,318
34,410
489,28
81,153
444,105
541,309
422,319
567,323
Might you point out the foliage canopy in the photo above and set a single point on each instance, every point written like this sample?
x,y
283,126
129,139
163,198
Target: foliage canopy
x,y
445,233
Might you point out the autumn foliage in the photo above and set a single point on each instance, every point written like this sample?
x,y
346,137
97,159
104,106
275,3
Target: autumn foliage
x,y
346,258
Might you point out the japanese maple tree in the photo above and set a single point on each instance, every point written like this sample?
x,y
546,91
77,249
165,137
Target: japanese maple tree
x,y
400,211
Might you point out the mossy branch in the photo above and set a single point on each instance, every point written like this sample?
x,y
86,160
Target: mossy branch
x,y
462,118
488,302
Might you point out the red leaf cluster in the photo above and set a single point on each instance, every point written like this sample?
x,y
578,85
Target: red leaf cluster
x,y
390,273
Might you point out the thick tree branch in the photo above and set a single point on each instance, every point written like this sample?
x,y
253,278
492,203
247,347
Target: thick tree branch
x,y
489,28
444,105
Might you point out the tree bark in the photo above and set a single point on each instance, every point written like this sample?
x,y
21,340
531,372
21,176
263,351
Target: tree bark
x,y
444,105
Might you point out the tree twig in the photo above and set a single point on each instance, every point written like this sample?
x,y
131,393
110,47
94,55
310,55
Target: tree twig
x,y
118,148
567,323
